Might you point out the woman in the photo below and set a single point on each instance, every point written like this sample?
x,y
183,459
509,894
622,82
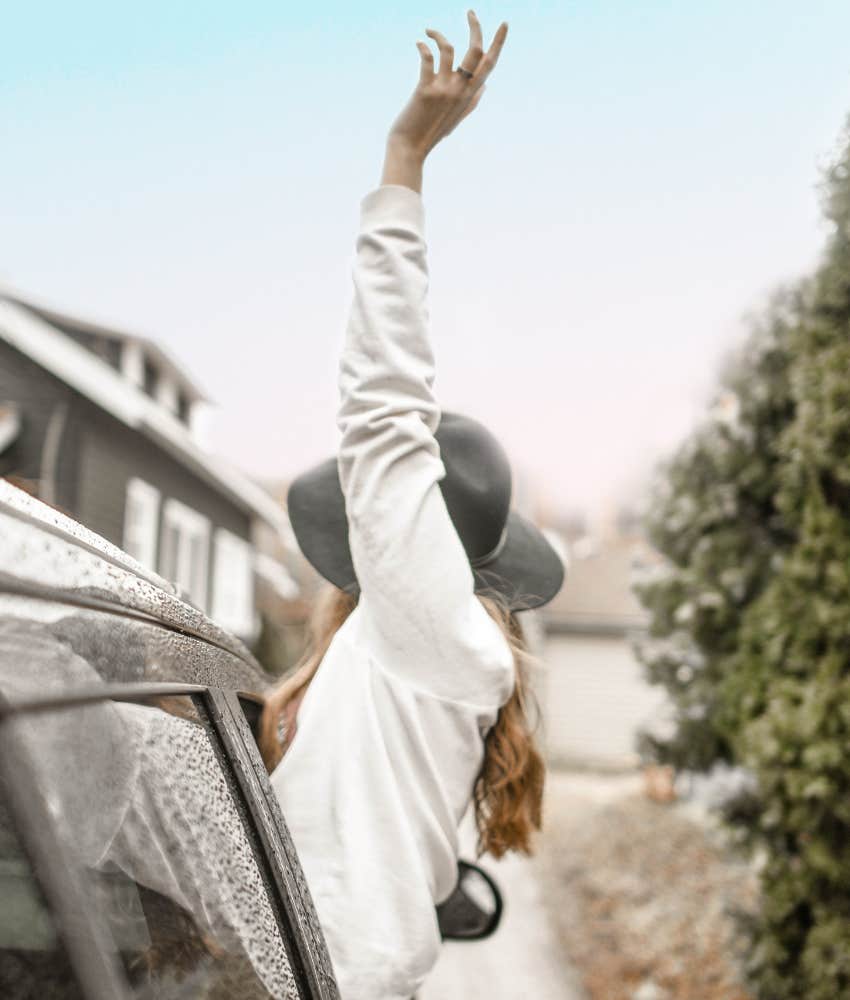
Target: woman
x,y
410,704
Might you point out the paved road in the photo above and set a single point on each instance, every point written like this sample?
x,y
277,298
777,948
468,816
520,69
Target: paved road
x,y
521,960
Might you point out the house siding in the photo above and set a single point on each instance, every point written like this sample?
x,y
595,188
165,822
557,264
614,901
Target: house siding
x,y
97,456
111,454
40,397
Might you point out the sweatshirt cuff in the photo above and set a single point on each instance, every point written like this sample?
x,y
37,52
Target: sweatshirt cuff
x,y
393,203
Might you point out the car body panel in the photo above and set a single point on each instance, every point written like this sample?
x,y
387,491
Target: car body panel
x,y
46,556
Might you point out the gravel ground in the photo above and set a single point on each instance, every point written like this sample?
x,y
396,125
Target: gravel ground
x,y
641,894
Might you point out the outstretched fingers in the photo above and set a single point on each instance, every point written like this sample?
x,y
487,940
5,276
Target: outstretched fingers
x,y
426,69
490,57
447,52
476,44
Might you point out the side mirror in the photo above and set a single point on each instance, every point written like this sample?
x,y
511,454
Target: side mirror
x,y
474,909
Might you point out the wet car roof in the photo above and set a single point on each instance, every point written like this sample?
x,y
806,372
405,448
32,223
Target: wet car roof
x,y
103,600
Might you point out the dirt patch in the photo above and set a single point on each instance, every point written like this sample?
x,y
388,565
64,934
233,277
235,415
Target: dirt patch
x,y
642,894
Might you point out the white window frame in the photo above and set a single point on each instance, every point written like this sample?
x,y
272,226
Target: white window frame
x,y
166,392
141,522
189,525
233,583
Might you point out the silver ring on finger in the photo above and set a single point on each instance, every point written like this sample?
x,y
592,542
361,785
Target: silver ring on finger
x,y
468,74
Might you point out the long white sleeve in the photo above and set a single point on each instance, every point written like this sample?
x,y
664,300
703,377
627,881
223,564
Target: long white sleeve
x,y
415,579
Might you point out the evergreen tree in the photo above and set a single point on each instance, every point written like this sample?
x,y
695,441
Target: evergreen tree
x,y
786,696
714,517
750,625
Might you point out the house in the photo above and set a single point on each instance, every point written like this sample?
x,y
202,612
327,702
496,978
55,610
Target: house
x,y
106,426
596,698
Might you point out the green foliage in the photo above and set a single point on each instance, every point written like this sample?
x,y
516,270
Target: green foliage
x,y
754,518
714,517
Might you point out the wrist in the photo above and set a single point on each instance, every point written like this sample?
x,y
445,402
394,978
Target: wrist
x,y
404,149
403,164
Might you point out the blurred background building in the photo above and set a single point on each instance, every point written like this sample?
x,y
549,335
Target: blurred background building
x,y
596,697
102,424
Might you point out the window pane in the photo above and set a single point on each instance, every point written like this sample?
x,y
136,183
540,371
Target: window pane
x,y
197,568
33,962
150,377
148,809
185,549
170,552
141,522
233,583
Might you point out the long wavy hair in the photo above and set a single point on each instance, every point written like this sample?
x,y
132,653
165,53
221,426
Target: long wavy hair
x,y
508,791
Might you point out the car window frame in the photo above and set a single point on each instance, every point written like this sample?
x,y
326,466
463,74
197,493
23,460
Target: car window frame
x,y
85,938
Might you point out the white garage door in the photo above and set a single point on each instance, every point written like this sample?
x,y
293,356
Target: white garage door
x,y
594,701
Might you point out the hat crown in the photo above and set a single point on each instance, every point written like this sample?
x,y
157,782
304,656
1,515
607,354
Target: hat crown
x,y
477,485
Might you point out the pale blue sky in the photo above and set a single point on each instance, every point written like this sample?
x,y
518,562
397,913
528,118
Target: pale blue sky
x,y
638,175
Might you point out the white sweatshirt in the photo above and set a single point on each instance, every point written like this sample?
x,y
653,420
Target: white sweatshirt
x,y
390,733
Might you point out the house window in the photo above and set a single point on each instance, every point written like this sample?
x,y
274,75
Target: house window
x,y
133,362
166,392
183,408
150,377
233,583
185,550
141,520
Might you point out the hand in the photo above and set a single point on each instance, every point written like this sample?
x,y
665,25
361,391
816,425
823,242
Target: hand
x,y
439,103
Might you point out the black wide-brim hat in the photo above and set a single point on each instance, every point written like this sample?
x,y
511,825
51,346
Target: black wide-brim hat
x,y
509,556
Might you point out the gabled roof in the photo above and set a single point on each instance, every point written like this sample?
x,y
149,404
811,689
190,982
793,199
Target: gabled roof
x,y
44,343
75,325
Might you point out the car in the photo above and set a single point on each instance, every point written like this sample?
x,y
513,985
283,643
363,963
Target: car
x,y
143,852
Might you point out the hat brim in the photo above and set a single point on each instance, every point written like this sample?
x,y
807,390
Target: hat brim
x,y
527,573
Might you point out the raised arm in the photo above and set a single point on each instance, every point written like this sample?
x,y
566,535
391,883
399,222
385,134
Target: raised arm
x,y
415,580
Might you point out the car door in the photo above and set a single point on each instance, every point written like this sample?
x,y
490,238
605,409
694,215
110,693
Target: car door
x,y
141,844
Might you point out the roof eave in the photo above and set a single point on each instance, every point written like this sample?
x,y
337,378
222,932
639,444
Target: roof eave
x,y
53,316
102,385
